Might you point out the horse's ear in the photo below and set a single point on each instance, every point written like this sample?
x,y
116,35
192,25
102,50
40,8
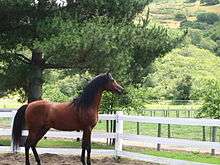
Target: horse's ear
x,y
109,75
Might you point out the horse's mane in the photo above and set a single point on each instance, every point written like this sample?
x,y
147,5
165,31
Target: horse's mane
x,y
88,94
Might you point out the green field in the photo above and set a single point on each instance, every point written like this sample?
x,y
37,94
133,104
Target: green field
x,y
181,132
165,11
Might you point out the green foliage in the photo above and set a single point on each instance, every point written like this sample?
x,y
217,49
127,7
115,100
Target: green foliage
x,y
195,36
202,40
214,32
14,79
102,43
180,17
167,72
131,101
209,44
96,45
86,9
190,1
209,2
183,88
86,35
211,101
59,87
195,25
209,18
19,20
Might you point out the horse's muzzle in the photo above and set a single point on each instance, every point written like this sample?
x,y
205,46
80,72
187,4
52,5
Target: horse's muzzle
x,y
119,89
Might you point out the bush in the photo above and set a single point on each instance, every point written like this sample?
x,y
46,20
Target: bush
x,y
190,1
183,88
131,101
195,36
195,25
180,17
61,88
209,2
214,32
208,43
209,18
211,98
169,74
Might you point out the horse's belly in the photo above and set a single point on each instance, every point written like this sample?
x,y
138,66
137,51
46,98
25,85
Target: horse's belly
x,y
66,126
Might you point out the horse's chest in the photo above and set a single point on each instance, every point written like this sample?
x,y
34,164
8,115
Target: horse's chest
x,y
90,119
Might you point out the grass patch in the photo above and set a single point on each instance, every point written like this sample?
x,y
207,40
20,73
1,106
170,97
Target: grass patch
x,y
190,156
5,122
167,106
58,143
5,141
177,131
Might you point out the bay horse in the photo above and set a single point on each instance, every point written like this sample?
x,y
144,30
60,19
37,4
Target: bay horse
x,y
80,114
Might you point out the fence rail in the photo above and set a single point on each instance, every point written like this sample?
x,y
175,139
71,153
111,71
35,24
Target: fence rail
x,y
120,136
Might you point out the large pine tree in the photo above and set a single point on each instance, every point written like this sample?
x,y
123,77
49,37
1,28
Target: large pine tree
x,y
93,35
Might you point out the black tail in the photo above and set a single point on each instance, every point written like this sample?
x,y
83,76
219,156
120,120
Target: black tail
x,y
18,125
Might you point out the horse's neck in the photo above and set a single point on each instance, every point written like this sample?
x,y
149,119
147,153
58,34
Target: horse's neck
x,y
97,100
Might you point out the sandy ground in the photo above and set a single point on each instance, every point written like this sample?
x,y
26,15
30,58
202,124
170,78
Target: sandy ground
x,y
54,159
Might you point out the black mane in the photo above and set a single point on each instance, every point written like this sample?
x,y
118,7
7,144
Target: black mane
x,y
88,95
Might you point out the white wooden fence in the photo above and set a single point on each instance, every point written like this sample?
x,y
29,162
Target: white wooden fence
x,y
120,137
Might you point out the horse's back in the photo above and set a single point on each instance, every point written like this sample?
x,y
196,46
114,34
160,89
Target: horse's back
x,y
61,116
36,112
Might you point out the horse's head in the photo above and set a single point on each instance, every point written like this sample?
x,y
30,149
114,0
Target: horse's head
x,y
112,85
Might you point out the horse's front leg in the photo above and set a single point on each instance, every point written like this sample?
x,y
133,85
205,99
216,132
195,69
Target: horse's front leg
x,y
86,146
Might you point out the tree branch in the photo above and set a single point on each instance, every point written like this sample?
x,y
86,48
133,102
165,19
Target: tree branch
x,y
64,66
17,56
56,66
23,58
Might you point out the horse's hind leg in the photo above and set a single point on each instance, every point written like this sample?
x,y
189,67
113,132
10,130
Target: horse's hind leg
x,y
36,155
39,135
27,148
32,139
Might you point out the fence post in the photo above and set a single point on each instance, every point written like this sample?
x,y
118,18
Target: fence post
x,y
188,113
13,150
159,135
119,132
138,128
168,132
203,133
107,130
213,139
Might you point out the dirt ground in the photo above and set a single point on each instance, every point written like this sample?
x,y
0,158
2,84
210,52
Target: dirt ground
x,y
53,159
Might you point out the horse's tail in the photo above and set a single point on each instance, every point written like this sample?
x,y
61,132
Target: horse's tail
x,y
18,125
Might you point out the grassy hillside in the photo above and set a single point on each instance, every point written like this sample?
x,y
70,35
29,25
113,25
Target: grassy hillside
x,y
164,11
199,64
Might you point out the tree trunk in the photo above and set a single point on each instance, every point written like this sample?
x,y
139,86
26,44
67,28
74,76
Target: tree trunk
x,y
35,77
